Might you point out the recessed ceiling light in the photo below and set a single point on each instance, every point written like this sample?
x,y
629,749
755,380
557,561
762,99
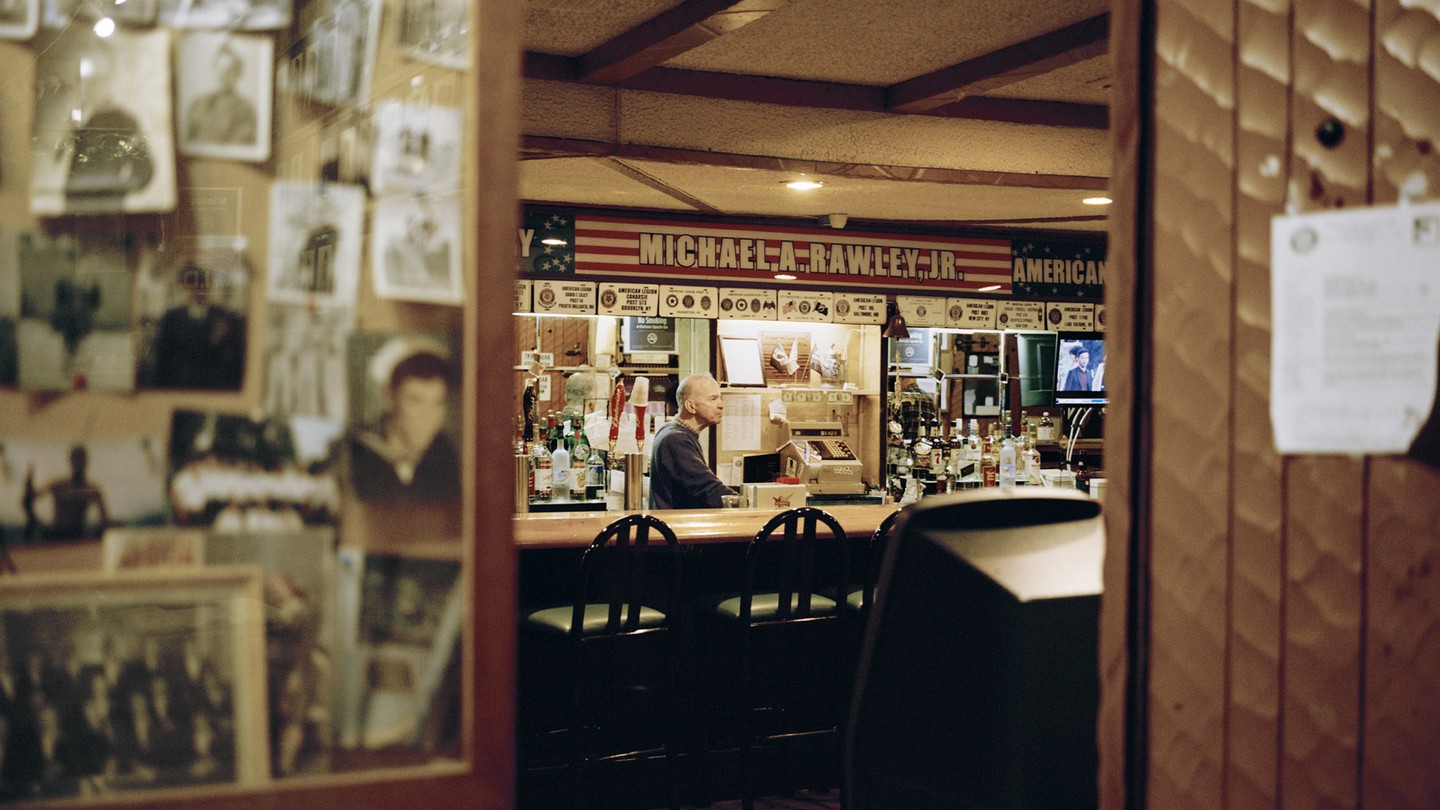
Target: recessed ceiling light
x,y
803,185
991,288
784,277
551,240
1099,200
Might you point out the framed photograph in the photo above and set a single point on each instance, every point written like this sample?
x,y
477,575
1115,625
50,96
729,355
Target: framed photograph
x,y
228,15
136,682
404,418
153,547
347,147
102,140
75,328
60,13
19,19
436,31
741,356
305,361
415,250
315,241
333,59
224,95
417,149
194,317
62,490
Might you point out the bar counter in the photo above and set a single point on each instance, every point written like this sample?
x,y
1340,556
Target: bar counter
x,y
560,530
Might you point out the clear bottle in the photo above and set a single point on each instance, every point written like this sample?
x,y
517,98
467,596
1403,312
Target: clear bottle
x,y
560,473
579,462
1045,432
540,468
989,463
1006,474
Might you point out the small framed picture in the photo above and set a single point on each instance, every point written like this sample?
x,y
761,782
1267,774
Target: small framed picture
x,y
436,31
229,15
415,250
19,19
194,317
158,676
417,148
315,239
153,547
224,95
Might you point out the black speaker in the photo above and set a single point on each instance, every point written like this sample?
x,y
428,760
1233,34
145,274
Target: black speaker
x,y
978,684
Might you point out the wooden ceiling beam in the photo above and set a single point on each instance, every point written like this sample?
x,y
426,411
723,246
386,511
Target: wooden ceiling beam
x,y
659,39
1086,39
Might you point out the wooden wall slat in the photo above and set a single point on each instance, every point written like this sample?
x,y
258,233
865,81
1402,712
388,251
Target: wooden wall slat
x,y
1262,80
1190,405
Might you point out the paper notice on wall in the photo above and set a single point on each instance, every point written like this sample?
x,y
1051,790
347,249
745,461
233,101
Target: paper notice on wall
x,y
740,428
1355,304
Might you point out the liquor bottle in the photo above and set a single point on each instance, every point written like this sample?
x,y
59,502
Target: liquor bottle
x,y
1006,474
540,467
1045,431
560,473
579,462
989,463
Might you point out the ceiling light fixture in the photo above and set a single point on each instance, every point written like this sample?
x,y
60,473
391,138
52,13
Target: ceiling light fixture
x,y
803,185
784,277
552,240
991,288
1098,200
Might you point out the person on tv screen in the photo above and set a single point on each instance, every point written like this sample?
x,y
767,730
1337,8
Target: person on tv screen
x,y
1080,378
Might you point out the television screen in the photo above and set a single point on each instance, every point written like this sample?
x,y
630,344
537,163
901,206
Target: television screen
x,y
1080,368
1036,354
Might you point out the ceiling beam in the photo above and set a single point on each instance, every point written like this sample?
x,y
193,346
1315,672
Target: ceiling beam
x,y
647,179
1086,39
539,147
685,27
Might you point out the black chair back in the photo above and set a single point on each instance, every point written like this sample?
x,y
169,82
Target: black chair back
x,y
790,558
875,555
618,570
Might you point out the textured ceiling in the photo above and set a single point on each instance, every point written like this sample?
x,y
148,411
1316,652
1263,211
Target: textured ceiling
x,y
719,113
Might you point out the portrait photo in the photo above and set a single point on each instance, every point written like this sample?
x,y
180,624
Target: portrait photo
x,y
436,31
315,243
19,19
102,139
415,248
224,95
333,58
194,317
62,490
133,682
228,15
305,351
417,149
404,417
76,326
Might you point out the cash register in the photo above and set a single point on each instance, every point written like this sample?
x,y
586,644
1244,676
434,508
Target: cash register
x,y
819,456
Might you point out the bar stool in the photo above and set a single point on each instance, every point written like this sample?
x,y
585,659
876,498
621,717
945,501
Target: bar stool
x,y
628,587
793,592
862,596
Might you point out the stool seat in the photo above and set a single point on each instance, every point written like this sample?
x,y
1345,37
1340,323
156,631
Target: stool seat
x,y
855,599
766,606
561,619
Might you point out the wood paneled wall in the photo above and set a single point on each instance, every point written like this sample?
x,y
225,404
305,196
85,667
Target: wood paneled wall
x,y
1279,616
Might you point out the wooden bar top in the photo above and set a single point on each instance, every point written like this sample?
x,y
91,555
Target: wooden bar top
x,y
577,529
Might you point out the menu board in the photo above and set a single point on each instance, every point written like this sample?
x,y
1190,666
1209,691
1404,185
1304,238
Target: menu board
x,y
751,304
688,302
523,292
805,305
858,308
629,299
966,313
565,297
1021,315
918,310
1070,317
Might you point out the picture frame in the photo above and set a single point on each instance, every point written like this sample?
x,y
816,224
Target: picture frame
x,y
19,19
152,547
166,669
224,95
416,149
195,316
315,239
333,59
415,248
229,15
435,31
65,490
741,357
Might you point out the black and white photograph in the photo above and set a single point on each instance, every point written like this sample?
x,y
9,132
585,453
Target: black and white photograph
x,y
436,31
415,248
76,324
61,13
332,61
224,95
102,140
132,682
315,239
347,147
404,417
19,19
417,148
401,619
235,475
305,361
69,490
194,317
228,15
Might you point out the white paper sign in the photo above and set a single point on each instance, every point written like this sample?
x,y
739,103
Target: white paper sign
x,y
918,310
623,300
758,305
965,313
1021,315
740,429
522,296
805,305
565,297
1355,306
858,308
688,302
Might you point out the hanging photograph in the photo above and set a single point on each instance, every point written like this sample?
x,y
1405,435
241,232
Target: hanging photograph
x,y
315,233
331,62
415,248
404,417
228,15
305,361
19,19
59,490
235,475
417,148
139,681
347,142
62,13
223,95
75,313
152,547
194,313
102,140
436,31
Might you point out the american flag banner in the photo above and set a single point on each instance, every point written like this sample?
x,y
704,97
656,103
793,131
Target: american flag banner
x,y
667,249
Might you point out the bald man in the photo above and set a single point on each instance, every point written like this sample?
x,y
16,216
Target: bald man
x,y
679,476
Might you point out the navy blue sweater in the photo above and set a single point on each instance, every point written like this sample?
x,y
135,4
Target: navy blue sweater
x,y
679,476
